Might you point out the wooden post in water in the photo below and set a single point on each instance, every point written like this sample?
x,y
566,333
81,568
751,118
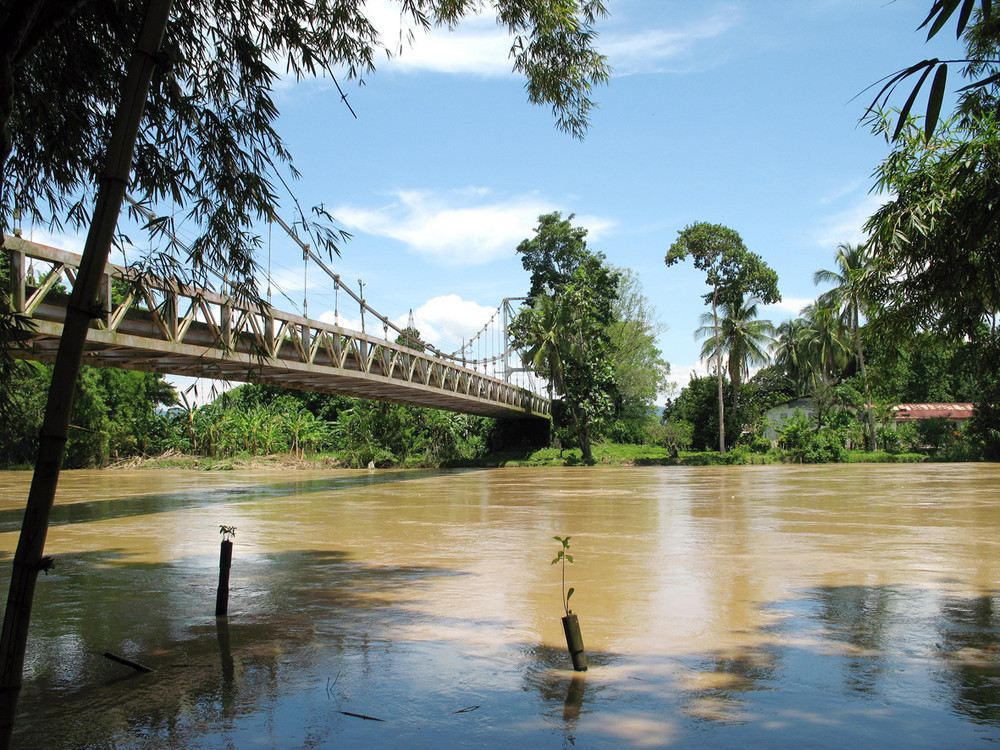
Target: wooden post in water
x,y
222,595
225,563
574,642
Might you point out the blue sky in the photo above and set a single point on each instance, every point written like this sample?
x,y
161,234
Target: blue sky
x,y
739,112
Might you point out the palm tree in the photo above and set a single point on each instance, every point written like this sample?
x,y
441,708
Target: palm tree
x,y
790,353
548,332
847,296
826,344
541,329
743,338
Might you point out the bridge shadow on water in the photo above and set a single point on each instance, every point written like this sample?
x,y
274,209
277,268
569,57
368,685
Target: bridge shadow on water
x,y
141,505
323,651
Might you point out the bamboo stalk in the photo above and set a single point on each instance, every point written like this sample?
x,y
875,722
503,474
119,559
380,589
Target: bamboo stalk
x,y
80,311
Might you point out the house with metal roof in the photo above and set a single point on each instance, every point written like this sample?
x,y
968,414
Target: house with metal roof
x,y
958,414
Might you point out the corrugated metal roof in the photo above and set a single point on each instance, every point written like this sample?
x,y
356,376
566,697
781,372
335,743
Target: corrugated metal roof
x,y
903,412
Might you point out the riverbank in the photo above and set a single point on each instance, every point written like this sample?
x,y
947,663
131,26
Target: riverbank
x,y
605,454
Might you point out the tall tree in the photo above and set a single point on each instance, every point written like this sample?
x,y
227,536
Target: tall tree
x,y
568,334
745,340
732,272
640,370
848,295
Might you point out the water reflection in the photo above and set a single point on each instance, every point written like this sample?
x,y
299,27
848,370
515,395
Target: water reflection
x,y
861,617
970,647
754,606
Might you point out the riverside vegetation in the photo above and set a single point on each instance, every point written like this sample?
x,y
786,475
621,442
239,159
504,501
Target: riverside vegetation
x,y
604,392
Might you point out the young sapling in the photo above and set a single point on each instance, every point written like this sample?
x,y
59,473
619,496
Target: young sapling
x,y
571,623
564,557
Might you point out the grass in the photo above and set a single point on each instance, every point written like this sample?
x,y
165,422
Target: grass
x,y
604,454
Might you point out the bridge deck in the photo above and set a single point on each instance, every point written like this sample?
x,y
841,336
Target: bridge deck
x,y
169,328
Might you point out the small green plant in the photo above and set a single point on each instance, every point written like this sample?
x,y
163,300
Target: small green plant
x,y
228,532
564,557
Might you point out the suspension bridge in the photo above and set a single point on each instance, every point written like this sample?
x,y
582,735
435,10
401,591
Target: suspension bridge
x,y
164,326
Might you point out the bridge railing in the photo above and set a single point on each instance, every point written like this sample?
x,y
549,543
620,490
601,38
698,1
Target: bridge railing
x,y
175,322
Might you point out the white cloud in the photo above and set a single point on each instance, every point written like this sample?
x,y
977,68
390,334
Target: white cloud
x,y
460,227
790,306
846,225
476,46
448,320
681,374
444,322
71,243
335,319
677,49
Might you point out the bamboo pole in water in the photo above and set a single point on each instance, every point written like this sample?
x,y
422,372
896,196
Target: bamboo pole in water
x,y
28,560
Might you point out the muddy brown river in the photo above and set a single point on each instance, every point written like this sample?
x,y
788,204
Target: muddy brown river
x,y
724,607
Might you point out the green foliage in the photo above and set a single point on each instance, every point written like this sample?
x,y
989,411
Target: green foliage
x,y
926,367
208,140
804,443
935,433
564,332
410,338
640,372
380,434
564,557
116,413
697,405
674,434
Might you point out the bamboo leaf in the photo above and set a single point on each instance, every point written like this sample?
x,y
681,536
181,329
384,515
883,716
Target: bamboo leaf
x,y
963,17
984,82
943,10
904,113
934,101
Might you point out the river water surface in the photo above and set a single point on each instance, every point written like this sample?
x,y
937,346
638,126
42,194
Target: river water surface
x,y
771,606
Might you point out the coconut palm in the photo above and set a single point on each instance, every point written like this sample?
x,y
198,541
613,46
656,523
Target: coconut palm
x,y
789,351
853,269
548,336
826,344
540,330
742,337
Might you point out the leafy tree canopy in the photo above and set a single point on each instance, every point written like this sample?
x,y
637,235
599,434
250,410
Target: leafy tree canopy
x,y
208,140
564,330
730,268
936,242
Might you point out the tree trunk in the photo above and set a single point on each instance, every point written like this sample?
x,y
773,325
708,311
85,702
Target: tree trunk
x,y
864,378
28,559
735,379
718,369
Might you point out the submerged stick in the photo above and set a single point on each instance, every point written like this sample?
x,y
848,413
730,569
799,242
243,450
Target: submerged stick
x,y
359,716
122,660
